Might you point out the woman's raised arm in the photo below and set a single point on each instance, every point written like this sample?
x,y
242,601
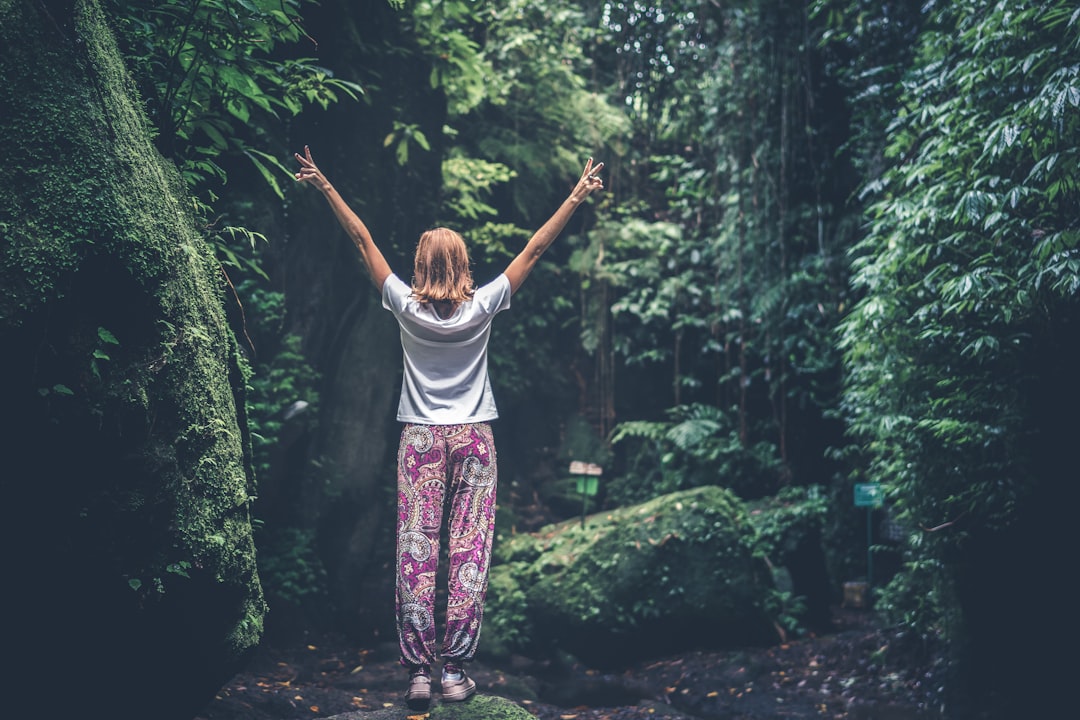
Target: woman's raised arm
x,y
522,265
374,261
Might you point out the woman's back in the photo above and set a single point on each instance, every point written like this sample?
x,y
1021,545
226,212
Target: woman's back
x,y
445,379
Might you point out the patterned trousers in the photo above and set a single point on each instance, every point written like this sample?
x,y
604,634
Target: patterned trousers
x,y
441,467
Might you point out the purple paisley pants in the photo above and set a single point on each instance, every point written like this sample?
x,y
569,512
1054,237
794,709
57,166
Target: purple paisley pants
x,y
441,467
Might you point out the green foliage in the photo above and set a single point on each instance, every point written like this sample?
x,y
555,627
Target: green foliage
x,y
289,565
402,137
786,609
235,246
213,84
467,184
660,276
783,520
580,442
458,67
508,627
513,75
283,386
785,523
698,445
971,251
726,262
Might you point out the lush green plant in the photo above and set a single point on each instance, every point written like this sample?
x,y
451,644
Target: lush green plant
x,y
289,566
786,523
788,516
725,268
283,386
698,445
507,621
970,264
520,124
213,84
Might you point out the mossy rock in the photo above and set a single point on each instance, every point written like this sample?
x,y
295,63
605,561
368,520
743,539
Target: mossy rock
x,y
675,573
478,707
128,474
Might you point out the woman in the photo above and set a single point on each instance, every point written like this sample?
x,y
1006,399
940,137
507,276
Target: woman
x,y
446,457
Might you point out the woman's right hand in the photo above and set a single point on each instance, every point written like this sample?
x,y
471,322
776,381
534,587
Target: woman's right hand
x,y
309,172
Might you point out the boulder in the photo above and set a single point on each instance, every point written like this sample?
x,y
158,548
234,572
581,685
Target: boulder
x,y
678,572
127,478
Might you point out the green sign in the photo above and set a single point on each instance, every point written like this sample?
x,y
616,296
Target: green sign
x,y
588,482
588,485
868,495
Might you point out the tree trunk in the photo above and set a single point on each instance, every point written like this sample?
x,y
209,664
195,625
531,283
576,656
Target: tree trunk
x,y
127,479
347,490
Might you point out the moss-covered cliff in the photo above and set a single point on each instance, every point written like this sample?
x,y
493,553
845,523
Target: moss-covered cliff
x,y
126,479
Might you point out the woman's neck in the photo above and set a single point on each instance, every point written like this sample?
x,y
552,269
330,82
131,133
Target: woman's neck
x,y
444,308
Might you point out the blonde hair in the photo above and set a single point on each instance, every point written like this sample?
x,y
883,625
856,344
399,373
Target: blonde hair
x,y
441,268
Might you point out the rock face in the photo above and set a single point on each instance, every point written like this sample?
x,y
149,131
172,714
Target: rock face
x,y
676,573
126,471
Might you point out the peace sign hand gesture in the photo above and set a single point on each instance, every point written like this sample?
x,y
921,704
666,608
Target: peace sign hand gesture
x,y
590,181
309,172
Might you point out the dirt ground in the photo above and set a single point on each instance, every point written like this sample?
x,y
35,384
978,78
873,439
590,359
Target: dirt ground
x,y
858,671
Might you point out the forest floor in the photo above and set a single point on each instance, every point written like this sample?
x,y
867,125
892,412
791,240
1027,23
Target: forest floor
x,y
857,670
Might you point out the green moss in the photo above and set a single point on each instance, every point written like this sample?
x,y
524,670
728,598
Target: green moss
x,y
479,707
680,563
98,233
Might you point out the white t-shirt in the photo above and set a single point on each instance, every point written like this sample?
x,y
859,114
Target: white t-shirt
x,y
446,376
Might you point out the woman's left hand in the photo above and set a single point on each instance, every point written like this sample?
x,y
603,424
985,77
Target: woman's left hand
x,y
590,181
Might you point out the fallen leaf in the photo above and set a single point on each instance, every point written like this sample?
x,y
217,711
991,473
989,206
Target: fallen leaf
x,y
314,708
712,694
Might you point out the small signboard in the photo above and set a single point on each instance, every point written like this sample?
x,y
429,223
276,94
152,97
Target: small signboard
x,y
581,468
868,495
588,482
